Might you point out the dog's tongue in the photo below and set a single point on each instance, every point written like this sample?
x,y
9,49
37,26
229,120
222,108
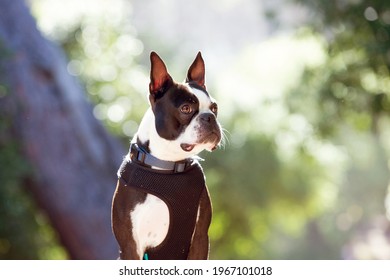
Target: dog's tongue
x,y
187,147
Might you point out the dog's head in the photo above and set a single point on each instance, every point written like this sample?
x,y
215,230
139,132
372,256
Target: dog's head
x,y
185,115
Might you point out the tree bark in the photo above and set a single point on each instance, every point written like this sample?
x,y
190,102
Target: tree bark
x,y
72,157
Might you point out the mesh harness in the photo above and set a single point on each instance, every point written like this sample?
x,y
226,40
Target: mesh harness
x,y
180,191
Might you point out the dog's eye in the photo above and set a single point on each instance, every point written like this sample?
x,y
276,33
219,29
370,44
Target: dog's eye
x,y
186,109
214,108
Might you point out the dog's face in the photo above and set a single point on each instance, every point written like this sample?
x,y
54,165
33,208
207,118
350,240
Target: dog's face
x,y
185,115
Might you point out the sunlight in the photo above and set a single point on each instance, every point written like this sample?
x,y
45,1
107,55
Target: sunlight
x,y
115,113
387,200
265,72
56,18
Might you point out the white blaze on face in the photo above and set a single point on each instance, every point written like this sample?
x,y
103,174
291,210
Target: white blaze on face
x,y
205,100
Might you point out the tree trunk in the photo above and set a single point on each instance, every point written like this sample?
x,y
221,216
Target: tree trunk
x,y
72,157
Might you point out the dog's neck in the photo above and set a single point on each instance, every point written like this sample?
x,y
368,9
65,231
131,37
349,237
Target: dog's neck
x,y
159,147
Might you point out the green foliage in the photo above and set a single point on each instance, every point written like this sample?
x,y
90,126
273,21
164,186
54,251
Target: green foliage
x,y
347,100
105,53
354,84
259,197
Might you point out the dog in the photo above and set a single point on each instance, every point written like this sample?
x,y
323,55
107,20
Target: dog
x,y
161,206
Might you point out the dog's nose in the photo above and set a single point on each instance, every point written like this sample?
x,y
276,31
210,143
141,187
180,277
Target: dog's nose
x,y
207,118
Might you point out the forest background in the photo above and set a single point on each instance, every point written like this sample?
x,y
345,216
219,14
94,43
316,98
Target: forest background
x,y
303,89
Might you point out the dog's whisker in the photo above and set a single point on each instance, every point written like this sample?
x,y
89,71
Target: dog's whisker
x,y
224,138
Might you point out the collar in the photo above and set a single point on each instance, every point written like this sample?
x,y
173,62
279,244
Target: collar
x,y
141,156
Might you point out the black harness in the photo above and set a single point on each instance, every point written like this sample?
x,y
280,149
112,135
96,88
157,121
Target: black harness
x,y
180,191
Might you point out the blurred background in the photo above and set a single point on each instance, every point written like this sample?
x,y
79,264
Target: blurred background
x,y
303,89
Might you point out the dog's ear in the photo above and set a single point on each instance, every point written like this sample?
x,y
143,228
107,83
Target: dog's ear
x,y
196,71
160,80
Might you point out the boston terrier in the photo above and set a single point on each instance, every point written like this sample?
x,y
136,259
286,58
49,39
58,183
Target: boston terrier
x,y
161,206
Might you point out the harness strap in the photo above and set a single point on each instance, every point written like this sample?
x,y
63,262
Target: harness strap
x,y
141,156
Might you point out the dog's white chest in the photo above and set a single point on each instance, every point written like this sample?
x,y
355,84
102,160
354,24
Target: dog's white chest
x,y
150,221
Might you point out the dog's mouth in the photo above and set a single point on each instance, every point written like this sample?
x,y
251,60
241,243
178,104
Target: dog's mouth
x,y
212,140
187,147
